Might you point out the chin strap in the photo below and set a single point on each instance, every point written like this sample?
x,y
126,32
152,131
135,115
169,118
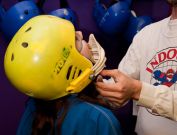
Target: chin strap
x,y
88,75
98,56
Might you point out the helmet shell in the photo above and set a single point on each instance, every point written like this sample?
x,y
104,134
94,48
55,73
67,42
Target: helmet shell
x,y
41,60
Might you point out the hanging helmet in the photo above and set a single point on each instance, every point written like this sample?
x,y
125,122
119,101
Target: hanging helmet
x,y
12,19
135,24
42,61
112,19
65,13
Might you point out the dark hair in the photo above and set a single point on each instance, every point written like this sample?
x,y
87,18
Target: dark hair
x,y
173,3
47,111
46,114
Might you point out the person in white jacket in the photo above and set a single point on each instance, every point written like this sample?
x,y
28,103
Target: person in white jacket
x,y
148,74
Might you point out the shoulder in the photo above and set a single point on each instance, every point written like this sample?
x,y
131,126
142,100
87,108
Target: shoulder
x,y
89,119
87,106
96,113
153,28
99,120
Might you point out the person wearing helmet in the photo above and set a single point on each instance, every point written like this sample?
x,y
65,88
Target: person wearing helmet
x,y
148,74
49,62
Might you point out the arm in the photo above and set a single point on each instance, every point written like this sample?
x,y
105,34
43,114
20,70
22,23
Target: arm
x,y
160,99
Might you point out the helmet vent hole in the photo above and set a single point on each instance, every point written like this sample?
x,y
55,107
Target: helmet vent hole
x,y
12,57
69,91
26,12
69,72
80,71
25,44
28,29
74,72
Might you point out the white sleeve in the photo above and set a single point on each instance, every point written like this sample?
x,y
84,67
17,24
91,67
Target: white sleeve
x,y
160,99
130,64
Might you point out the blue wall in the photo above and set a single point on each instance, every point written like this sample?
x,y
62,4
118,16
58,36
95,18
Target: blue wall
x,y
12,102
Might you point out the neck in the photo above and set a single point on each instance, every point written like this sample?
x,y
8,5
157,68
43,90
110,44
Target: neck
x,y
174,13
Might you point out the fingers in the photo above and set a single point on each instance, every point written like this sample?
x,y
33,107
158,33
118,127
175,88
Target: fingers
x,y
106,93
106,87
111,73
115,74
113,94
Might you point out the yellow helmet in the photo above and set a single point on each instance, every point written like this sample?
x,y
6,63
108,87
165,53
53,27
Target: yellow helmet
x,y
42,61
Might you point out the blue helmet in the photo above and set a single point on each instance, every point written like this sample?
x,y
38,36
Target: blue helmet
x,y
65,13
113,19
135,24
12,19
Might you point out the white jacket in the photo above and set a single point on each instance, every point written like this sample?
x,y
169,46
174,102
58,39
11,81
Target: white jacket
x,y
152,58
